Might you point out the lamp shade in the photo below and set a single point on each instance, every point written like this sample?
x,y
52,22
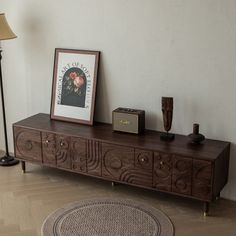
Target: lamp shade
x,y
5,30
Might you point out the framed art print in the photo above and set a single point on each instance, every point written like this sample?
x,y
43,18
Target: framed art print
x,y
74,85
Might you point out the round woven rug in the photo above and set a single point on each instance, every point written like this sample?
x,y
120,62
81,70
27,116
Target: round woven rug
x,y
107,217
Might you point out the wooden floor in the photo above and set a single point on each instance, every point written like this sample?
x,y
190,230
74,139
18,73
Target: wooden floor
x,y
26,199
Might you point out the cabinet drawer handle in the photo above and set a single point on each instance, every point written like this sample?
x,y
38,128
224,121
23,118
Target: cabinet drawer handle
x,y
47,141
161,163
61,144
29,145
143,159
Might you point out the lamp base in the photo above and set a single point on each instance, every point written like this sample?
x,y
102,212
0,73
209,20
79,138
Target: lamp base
x,y
8,161
167,136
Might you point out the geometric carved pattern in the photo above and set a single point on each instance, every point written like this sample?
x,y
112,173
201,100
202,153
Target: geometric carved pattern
x,y
63,151
182,172
94,166
182,165
202,175
117,162
78,154
28,144
143,159
49,148
137,177
162,172
181,184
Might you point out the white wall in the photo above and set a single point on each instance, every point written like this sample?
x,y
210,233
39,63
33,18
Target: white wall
x,y
153,48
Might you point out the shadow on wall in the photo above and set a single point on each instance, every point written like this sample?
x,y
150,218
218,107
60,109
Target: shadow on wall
x,y
102,105
153,120
103,111
38,57
34,37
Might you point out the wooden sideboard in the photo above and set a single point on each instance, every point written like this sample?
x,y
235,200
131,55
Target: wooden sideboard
x,y
177,167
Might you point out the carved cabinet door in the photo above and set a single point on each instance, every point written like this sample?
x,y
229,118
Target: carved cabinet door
x,y
28,144
117,161
202,179
142,173
78,154
162,171
63,151
49,148
182,175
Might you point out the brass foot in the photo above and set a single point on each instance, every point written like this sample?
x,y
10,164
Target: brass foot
x,y
113,184
23,166
206,208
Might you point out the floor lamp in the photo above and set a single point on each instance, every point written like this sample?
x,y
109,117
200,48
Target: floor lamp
x,y
5,33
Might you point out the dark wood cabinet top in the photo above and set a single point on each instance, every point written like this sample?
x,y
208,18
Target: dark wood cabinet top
x,y
150,140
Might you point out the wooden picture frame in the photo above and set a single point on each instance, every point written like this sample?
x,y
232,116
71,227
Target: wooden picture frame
x,y
74,85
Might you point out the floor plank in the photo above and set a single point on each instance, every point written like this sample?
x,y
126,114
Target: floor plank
x,y
27,199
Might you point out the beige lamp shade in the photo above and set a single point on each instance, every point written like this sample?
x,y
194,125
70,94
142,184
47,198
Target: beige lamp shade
x,y
5,30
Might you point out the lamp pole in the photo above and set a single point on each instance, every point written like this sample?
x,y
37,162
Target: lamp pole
x,y
5,33
7,160
3,107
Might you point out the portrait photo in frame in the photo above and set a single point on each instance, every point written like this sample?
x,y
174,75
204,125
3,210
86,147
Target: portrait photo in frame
x,y
74,85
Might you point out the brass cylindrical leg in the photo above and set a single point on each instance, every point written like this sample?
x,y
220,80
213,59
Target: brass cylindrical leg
x,y
206,208
23,166
113,184
218,196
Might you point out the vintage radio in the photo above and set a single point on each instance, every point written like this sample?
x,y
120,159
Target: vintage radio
x,y
128,120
